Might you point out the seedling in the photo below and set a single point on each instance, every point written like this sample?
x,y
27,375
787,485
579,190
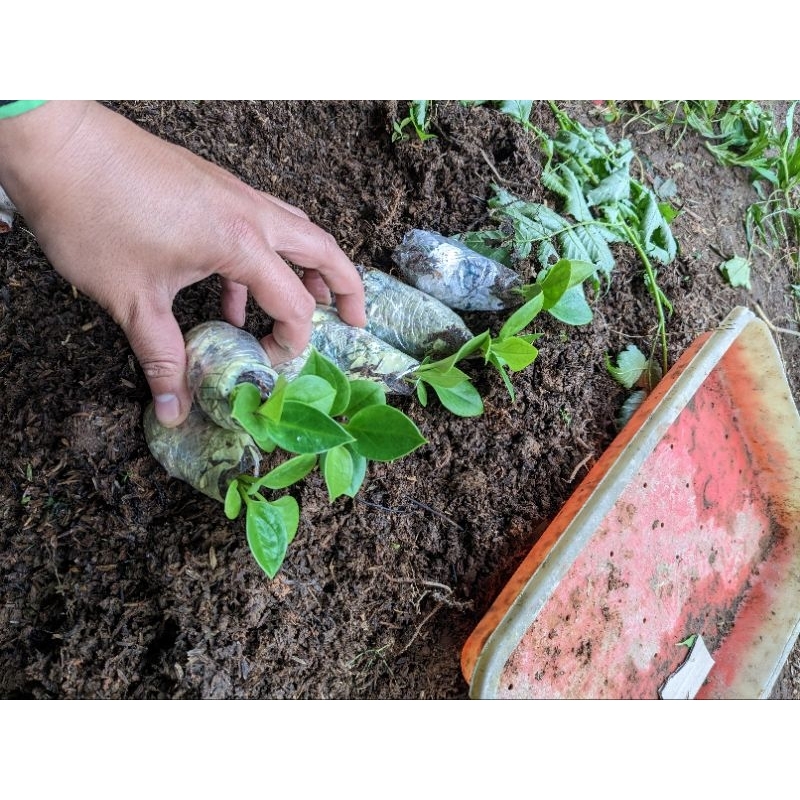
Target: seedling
x,y
419,118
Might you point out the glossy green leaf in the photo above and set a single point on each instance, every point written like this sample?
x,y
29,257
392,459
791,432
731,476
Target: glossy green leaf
x,y
233,500
289,472
337,468
515,353
383,433
288,508
463,400
304,429
313,391
323,367
523,316
267,535
364,393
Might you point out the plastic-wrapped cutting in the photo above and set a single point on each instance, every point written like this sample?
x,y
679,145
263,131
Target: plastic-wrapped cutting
x,y
361,354
449,271
220,356
409,319
200,452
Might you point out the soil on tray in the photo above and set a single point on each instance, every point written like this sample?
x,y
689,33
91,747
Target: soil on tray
x,y
119,582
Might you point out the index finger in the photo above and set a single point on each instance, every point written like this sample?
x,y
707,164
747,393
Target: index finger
x,y
308,246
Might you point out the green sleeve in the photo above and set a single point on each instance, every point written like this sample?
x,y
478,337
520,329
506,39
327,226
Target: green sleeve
x,y
12,108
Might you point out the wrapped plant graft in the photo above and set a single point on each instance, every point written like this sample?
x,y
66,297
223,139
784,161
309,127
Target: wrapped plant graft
x,y
219,357
409,319
357,352
201,453
460,278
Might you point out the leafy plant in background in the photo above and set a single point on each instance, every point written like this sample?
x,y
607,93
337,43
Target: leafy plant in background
x,y
743,134
418,118
602,204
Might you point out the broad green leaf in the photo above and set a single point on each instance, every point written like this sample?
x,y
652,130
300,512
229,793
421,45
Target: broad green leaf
x,y
359,471
515,353
244,399
337,468
383,433
319,365
233,500
500,366
289,472
364,393
656,236
463,400
554,282
737,271
303,429
524,315
313,391
631,365
422,393
267,535
288,508
273,407
447,378
572,308
520,110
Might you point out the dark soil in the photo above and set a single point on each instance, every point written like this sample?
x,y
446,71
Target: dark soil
x,y
119,582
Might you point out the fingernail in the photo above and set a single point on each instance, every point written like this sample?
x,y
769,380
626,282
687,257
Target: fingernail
x,y
168,409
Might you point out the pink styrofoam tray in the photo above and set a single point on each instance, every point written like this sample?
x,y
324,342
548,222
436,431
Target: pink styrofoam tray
x,y
689,524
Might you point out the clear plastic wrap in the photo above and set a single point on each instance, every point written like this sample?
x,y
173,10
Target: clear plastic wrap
x,y
219,357
200,452
460,278
409,319
361,354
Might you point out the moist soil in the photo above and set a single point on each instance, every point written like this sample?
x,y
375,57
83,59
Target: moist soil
x,y
120,582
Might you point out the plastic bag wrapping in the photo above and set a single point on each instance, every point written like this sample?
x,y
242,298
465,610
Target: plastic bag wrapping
x,y
200,452
220,356
409,319
448,270
357,352
7,211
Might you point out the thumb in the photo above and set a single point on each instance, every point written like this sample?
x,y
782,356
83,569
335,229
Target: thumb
x,y
158,344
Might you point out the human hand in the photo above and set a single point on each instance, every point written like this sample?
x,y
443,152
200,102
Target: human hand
x,y
130,220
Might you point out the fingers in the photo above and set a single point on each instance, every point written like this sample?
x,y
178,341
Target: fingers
x,y
316,286
308,246
234,302
158,345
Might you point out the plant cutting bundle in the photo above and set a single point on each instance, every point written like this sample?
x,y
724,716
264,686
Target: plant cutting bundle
x,y
327,408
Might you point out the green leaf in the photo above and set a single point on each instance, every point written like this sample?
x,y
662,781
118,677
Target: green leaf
x,y
437,377
462,400
233,500
572,308
364,393
319,365
688,641
631,365
515,353
467,349
288,508
737,271
422,393
267,535
359,471
337,469
312,391
520,110
245,399
523,316
383,433
500,366
273,407
304,429
289,472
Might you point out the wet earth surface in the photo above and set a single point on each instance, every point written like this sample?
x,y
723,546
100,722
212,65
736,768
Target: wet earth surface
x,y
119,582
